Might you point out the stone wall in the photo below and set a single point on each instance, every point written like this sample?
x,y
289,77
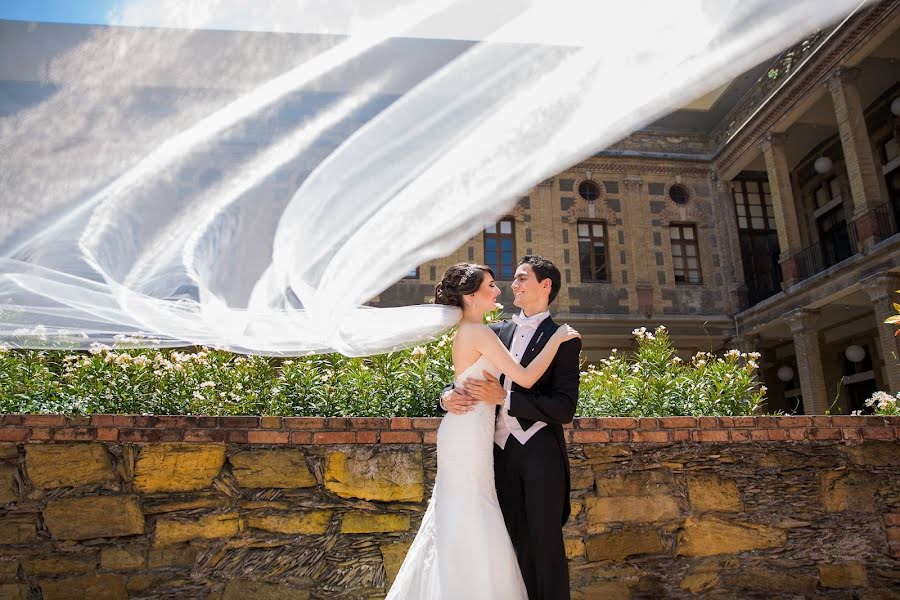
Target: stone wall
x,y
245,507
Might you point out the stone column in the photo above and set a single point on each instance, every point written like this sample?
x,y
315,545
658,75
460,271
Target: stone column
x,y
862,170
727,232
882,291
809,360
785,208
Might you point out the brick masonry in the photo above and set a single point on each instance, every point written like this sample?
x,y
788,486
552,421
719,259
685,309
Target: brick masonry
x,y
403,430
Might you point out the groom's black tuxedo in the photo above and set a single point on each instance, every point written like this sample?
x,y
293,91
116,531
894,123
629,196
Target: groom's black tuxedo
x,y
553,398
532,480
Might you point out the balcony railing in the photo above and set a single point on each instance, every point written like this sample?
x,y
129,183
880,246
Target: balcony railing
x,y
764,280
827,253
844,243
886,217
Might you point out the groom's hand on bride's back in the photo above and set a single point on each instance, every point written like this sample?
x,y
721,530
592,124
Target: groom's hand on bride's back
x,y
487,390
457,401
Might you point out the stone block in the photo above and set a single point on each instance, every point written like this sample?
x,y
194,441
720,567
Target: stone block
x,y
876,454
640,483
116,558
574,547
59,564
788,459
393,555
177,467
243,589
174,531
582,478
181,555
848,491
843,575
643,509
165,505
8,569
68,465
141,582
14,591
93,517
8,451
297,523
616,545
283,468
709,536
18,529
710,493
759,579
7,483
386,475
598,455
603,590
697,583
95,587
366,522
575,508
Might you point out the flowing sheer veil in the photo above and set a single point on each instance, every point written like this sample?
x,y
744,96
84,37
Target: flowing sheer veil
x,y
254,189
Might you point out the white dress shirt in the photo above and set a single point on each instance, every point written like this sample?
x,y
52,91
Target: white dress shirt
x,y
508,425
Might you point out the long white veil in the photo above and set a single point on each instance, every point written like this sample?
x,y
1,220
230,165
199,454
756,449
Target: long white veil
x,y
253,189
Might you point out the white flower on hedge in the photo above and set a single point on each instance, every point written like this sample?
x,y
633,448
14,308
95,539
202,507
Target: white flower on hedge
x,y
419,351
881,400
198,395
207,384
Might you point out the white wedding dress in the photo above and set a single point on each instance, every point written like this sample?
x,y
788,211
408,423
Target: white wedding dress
x,y
462,550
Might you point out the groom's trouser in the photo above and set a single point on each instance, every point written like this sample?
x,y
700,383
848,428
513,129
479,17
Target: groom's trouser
x,y
530,481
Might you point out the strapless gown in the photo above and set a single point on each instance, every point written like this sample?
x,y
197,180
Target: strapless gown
x,y
462,550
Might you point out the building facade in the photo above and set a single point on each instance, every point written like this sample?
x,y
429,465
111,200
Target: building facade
x,y
764,217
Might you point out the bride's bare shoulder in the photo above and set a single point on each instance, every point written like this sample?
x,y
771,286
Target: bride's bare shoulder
x,y
473,333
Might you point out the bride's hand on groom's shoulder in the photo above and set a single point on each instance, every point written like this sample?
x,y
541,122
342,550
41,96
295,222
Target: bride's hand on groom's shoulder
x,y
456,401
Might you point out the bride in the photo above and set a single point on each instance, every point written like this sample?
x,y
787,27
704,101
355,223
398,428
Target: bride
x,y
462,549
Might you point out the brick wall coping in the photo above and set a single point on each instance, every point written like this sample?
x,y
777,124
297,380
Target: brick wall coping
x,y
405,430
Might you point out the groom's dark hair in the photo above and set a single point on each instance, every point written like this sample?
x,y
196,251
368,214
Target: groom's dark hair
x,y
543,269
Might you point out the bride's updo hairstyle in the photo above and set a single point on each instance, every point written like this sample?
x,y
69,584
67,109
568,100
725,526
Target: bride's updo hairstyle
x,y
458,281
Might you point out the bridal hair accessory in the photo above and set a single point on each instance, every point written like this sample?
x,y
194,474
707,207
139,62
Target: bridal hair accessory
x,y
466,273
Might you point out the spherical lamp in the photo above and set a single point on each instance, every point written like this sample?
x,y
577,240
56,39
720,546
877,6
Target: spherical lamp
x,y
895,106
855,353
823,165
785,373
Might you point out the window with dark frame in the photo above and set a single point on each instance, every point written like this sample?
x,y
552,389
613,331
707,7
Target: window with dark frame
x,y
593,253
500,248
758,238
414,274
679,194
589,190
685,253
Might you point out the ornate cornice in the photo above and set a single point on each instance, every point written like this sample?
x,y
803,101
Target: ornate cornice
x,y
648,167
808,78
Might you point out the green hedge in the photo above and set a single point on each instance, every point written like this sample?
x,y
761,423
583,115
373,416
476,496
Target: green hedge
x,y
649,381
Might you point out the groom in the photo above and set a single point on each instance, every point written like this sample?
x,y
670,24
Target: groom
x,y
531,467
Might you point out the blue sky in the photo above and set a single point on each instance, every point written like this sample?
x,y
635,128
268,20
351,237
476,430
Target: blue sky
x,y
58,11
